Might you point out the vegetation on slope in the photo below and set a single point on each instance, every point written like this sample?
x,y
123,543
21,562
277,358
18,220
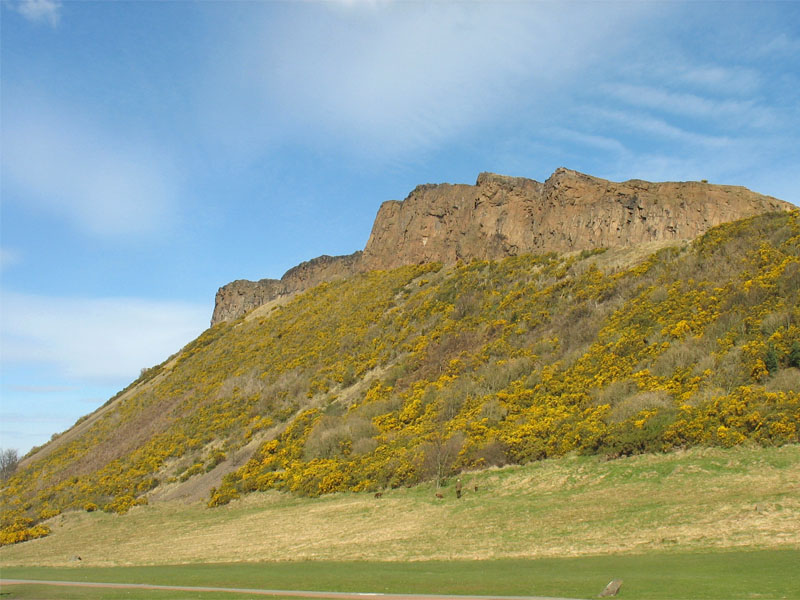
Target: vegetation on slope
x,y
693,500
392,378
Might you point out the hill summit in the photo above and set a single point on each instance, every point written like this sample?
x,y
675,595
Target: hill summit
x,y
503,216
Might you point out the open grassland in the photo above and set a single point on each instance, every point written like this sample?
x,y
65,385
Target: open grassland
x,y
49,592
729,575
696,500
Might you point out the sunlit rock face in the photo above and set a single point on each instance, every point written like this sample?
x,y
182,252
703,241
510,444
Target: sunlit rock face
x,y
503,216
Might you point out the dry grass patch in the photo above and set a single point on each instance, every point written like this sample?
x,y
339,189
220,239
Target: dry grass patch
x,y
693,500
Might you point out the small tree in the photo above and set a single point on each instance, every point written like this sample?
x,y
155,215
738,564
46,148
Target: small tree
x,y
9,459
771,360
794,355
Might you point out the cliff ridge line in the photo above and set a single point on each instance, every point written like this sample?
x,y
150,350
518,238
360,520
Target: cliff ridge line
x,y
504,216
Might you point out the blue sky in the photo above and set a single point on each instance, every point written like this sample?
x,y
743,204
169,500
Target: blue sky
x,y
153,151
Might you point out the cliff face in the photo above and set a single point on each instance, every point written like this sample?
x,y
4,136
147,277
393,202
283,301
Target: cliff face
x,y
241,296
501,216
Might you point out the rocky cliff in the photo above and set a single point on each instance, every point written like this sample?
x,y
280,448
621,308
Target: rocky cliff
x,y
501,216
241,296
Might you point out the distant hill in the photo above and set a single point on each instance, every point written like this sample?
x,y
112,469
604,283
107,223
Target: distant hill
x,y
387,378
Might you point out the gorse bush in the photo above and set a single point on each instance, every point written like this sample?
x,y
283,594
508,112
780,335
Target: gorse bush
x,y
390,378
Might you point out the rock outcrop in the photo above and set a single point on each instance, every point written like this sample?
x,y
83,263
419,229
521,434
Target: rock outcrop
x,y
241,296
501,216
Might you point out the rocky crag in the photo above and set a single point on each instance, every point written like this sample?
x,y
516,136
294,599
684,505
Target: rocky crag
x,y
502,216
242,296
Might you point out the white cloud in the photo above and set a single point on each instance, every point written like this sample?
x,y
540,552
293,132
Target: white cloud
x,y
362,3
103,181
601,142
406,77
96,339
9,258
726,79
47,11
665,167
780,46
746,112
659,128
42,389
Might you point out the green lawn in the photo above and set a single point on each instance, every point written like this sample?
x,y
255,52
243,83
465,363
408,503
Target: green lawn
x,y
723,575
48,592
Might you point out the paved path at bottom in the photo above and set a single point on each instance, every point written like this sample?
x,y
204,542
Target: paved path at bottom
x,y
282,593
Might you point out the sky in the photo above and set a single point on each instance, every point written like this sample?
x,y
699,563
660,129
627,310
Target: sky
x,y
151,152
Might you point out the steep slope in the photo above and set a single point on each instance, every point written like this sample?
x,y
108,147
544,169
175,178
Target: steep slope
x,y
504,216
388,378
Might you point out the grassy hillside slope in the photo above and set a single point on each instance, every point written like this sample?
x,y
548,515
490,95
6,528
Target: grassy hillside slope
x,y
688,501
392,378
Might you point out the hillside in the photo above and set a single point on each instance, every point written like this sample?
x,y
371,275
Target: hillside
x,y
682,502
503,216
390,378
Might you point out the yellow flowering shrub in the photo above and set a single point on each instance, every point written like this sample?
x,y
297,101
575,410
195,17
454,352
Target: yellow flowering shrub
x,y
389,378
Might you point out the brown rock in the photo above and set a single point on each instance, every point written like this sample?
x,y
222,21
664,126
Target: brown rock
x,y
241,296
503,216
323,268
612,589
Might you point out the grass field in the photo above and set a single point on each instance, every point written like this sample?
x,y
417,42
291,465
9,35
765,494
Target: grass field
x,y
689,501
701,524
47,592
733,575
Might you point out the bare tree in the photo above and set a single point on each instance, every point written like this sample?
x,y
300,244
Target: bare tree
x,y
440,455
9,458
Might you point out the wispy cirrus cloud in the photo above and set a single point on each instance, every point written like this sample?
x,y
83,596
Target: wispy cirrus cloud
x,y
747,112
95,339
9,258
62,163
654,125
780,46
587,139
408,77
726,79
39,11
60,355
42,389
